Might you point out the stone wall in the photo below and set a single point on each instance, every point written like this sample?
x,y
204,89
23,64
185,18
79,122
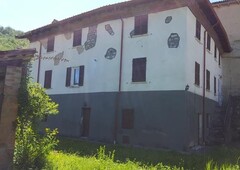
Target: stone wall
x,y
8,115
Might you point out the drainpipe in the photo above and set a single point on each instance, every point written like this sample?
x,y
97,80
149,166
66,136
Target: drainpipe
x,y
39,62
204,83
204,77
119,85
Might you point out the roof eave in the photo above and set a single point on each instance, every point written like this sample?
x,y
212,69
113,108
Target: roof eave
x,y
216,24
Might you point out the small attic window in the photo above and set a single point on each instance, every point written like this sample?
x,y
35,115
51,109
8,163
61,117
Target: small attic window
x,y
208,42
141,24
50,44
198,30
77,38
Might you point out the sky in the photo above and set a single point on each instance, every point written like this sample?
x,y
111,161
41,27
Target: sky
x,y
26,15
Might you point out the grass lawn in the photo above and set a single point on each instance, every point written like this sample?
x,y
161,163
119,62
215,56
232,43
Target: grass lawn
x,y
77,154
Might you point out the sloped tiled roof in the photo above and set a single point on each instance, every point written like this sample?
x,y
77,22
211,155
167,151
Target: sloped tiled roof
x,y
131,8
226,2
16,54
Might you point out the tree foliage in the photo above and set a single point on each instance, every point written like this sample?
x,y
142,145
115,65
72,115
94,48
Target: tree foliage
x,y
8,40
32,148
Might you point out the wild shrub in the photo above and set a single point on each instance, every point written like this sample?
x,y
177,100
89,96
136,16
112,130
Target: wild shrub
x,y
101,154
32,148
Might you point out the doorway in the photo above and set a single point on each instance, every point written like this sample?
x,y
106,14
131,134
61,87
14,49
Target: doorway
x,y
85,121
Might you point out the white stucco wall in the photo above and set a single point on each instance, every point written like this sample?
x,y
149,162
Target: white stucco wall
x,y
165,66
195,54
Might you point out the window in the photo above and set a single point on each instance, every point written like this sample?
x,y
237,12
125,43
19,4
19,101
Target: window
x,y
219,59
139,70
208,42
75,76
141,25
197,74
50,44
127,118
208,79
215,85
198,30
215,52
48,79
77,38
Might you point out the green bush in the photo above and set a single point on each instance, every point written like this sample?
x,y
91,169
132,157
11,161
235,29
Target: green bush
x,y
31,148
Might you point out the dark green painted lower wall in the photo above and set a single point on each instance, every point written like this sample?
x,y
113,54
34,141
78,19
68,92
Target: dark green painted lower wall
x,y
162,119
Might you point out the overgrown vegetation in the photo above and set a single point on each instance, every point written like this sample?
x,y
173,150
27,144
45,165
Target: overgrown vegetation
x,y
102,160
79,154
31,148
8,40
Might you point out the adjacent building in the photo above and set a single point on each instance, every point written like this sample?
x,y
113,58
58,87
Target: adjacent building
x,y
228,11
141,72
12,64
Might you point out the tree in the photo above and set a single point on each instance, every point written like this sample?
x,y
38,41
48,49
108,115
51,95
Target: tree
x,y
32,148
8,40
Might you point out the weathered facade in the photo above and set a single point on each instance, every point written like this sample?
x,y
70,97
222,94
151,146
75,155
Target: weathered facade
x,y
11,64
144,72
228,12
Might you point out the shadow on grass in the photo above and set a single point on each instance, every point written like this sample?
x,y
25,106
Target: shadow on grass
x,y
219,155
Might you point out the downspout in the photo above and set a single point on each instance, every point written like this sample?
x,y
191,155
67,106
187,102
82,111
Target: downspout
x,y
121,56
119,85
39,62
204,84
204,77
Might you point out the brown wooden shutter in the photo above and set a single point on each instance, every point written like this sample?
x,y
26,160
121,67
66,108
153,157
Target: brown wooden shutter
x,y
48,79
77,38
50,44
139,70
81,75
215,51
197,74
208,79
208,42
215,85
219,59
198,30
68,77
141,25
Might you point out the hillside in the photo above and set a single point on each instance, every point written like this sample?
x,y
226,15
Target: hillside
x,y
8,40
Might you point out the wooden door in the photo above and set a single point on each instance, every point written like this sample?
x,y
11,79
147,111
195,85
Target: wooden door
x,y
85,121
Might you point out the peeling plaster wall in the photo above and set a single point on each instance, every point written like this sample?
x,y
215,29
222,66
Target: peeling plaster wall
x,y
229,16
154,46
